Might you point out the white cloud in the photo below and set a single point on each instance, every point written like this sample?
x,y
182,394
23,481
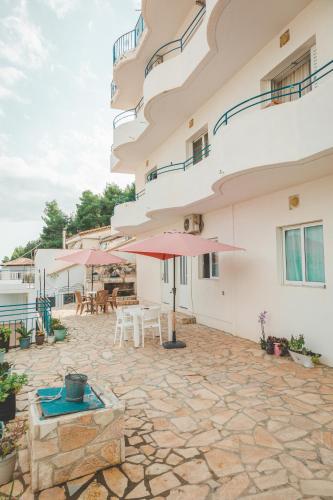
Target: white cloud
x,y
59,170
21,41
62,7
10,75
86,76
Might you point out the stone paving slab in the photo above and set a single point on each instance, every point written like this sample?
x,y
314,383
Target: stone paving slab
x,y
217,420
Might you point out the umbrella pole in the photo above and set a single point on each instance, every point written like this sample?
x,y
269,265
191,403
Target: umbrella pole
x,y
174,344
92,278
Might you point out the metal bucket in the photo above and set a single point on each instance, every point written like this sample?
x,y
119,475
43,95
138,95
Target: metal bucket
x,y
75,385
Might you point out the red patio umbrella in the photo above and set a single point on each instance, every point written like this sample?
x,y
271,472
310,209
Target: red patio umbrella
x,y
91,257
170,245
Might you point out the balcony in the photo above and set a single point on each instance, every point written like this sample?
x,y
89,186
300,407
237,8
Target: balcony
x,y
197,171
209,59
11,278
133,50
175,46
129,41
262,150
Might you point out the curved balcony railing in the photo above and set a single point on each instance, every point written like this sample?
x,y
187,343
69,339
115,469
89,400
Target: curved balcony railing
x,y
128,41
175,45
113,89
128,115
172,167
297,89
139,194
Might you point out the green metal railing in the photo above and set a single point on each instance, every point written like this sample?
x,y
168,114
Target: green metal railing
x,y
128,115
178,44
29,315
140,194
113,89
128,41
172,167
297,89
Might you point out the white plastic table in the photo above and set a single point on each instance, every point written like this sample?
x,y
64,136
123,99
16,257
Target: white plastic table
x,y
136,313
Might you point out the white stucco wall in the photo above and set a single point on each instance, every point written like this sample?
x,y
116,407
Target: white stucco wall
x,y
45,259
316,20
252,281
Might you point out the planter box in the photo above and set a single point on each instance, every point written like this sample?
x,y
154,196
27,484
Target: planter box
x,y
302,359
70,446
7,467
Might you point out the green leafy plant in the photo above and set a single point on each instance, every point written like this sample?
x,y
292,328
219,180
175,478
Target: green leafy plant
x,y
11,383
297,344
57,325
5,333
10,437
5,369
24,332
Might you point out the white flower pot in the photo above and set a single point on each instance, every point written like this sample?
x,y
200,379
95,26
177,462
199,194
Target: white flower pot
x,y
302,359
51,339
7,467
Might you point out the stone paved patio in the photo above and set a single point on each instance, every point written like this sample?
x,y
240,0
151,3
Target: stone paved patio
x,y
217,420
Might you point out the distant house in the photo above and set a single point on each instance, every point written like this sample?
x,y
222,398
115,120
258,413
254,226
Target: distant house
x,y
17,283
88,239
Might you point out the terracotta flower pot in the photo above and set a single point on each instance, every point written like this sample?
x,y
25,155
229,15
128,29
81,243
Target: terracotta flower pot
x,y
277,349
40,339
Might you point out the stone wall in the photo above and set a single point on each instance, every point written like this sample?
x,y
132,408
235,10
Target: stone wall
x,y
71,446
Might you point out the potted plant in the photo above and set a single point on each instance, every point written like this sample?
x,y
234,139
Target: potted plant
x,y
58,329
300,354
262,320
5,333
10,384
9,438
270,345
25,336
284,344
40,337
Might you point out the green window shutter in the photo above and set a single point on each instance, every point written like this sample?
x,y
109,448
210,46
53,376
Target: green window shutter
x,y
293,255
314,254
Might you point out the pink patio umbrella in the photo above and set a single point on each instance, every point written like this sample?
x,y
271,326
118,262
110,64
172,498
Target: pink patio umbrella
x,y
170,245
91,257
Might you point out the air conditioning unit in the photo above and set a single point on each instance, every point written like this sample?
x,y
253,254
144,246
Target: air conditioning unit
x,y
193,224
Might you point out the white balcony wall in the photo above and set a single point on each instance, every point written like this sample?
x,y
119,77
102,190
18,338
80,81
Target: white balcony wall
x,y
281,135
313,21
129,130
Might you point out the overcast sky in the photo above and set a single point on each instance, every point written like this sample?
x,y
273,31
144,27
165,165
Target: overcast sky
x,y
55,119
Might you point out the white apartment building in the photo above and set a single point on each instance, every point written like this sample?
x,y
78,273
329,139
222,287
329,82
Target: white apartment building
x,y
227,126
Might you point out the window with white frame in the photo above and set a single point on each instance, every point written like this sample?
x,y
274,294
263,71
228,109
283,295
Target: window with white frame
x,y
208,266
200,148
183,270
165,276
303,254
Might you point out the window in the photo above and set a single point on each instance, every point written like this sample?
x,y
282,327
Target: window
x,y
183,270
304,254
200,148
209,266
165,271
294,73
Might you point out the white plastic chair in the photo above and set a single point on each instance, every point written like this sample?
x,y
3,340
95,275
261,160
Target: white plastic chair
x,y
151,319
123,321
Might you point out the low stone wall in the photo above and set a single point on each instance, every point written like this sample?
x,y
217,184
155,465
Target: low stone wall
x,y
70,446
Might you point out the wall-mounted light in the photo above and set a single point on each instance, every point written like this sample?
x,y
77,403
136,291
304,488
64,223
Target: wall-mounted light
x,y
293,201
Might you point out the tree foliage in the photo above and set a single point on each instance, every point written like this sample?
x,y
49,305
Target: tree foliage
x,y
55,221
92,210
